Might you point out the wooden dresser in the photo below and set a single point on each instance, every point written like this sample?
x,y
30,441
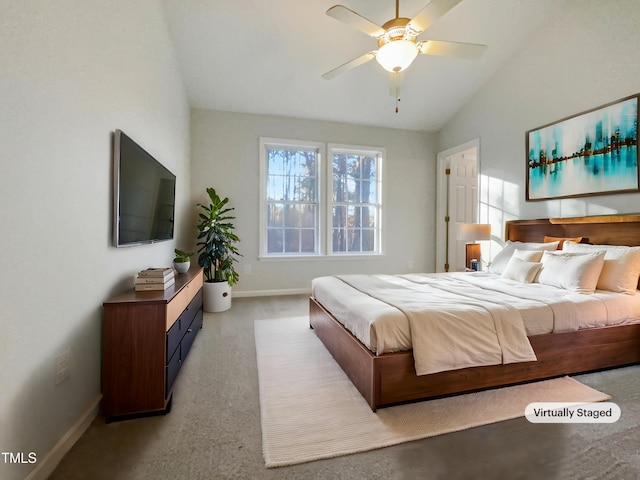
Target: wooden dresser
x,y
145,338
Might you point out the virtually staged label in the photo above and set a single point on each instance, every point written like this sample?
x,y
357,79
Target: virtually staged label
x,y
565,412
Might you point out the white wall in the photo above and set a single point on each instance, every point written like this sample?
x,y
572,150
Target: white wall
x,y
225,155
584,56
71,73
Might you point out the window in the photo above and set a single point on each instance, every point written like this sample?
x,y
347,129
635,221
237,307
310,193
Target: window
x,y
291,197
293,183
355,207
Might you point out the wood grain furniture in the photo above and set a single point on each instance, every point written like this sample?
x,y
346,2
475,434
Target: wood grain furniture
x,y
146,337
390,378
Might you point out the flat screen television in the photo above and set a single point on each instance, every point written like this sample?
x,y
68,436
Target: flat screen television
x,y
144,195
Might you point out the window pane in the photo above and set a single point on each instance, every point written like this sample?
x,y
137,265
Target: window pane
x,y
292,241
275,187
274,241
368,219
339,216
369,191
369,167
353,216
274,163
339,178
353,166
307,216
307,241
368,240
339,244
291,216
356,190
353,240
274,215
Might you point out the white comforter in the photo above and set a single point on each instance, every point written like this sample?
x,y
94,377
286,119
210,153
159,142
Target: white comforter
x,y
449,328
486,312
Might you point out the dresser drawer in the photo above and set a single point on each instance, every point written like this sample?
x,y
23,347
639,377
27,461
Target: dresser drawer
x,y
172,369
174,336
190,312
178,303
180,326
190,334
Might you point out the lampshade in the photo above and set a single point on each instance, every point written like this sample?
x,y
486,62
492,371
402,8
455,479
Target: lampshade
x,y
397,55
470,232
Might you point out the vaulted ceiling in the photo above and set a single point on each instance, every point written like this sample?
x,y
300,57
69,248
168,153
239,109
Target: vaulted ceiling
x,y
267,57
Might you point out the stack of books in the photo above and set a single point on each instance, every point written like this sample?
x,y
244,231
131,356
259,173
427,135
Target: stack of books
x,y
154,279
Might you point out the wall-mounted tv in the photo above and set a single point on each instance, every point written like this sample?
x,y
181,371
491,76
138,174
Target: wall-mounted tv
x,y
144,195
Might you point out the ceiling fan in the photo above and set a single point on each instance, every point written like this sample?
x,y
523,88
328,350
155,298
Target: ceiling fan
x,y
397,38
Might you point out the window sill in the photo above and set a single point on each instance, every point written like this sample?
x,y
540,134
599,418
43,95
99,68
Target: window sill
x,y
305,258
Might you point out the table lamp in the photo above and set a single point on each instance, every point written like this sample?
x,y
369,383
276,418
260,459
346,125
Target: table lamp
x,y
471,233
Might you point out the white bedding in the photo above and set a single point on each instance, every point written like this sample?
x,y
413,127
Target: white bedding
x,y
382,326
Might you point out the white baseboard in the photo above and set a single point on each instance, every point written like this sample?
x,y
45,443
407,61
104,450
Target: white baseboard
x,y
271,293
46,466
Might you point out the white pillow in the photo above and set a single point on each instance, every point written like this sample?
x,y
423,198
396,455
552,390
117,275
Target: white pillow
x,y
527,255
500,261
521,270
621,265
577,272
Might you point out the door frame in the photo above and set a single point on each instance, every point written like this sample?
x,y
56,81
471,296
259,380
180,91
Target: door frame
x,y
441,196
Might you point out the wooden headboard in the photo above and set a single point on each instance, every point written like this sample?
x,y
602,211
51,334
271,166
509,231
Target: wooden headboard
x,y
599,230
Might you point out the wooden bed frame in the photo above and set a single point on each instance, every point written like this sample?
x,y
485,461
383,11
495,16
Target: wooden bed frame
x,y
390,378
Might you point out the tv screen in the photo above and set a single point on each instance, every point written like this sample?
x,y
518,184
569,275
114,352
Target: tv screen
x,y
144,195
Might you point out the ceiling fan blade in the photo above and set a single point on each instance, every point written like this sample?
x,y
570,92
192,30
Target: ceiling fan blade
x,y
451,49
356,62
350,17
429,14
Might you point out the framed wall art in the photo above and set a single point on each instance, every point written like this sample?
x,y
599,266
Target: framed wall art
x,y
591,153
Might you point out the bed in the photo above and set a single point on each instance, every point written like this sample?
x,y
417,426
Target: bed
x,y
388,371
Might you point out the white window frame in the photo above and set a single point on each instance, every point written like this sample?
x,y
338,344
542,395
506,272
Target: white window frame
x,y
320,147
380,154
324,199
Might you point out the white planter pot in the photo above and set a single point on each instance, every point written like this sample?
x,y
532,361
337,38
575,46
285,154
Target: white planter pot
x,y
216,296
182,267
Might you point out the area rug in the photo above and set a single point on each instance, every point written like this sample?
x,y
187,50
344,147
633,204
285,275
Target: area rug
x,y
310,410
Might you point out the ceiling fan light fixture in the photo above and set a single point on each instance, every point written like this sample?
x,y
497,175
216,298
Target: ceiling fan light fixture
x,y
397,55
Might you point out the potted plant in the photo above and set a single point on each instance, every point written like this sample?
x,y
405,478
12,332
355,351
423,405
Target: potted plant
x,y
182,261
217,252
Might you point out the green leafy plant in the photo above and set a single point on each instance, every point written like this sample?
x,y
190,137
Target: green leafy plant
x,y
217,240
181,256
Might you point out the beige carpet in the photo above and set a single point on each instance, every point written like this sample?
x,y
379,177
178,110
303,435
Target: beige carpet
x,y
310,410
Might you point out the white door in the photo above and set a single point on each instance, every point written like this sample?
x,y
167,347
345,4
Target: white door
x,y
457,203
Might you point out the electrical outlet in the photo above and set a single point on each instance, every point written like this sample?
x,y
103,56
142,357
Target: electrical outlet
x,y
62,366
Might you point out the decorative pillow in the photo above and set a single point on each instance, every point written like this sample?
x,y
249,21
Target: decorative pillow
x,y
527,255
577,272
521,270
621,265
561,240
500,261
